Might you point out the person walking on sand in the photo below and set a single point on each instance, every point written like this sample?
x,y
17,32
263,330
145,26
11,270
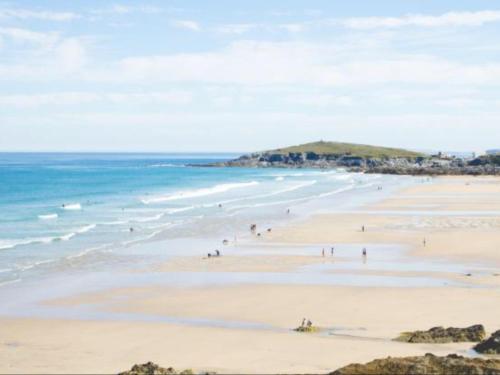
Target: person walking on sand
x,y
323,252
424,242
364,251
331,250
362,228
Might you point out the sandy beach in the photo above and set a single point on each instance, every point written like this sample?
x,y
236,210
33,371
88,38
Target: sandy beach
x,y
433,259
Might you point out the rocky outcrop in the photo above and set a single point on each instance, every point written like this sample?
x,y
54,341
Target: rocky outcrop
x,y
490,345
473,333
384,165
150,368
424,365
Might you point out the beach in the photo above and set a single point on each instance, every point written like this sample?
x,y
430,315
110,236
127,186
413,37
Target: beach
x,y
432,260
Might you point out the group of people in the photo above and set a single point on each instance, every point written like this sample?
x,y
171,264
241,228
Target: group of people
x,y
331,251
217,254
305,323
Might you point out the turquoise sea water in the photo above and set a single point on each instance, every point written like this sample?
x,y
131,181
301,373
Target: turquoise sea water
x,y
70,210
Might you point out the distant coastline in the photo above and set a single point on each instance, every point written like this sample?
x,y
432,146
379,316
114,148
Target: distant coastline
x,y
367,159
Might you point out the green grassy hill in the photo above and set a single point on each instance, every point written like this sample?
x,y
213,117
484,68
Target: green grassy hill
x,y
336,148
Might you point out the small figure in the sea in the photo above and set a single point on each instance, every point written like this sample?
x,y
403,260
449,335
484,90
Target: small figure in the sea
x,y
217,253
331,250
258,234
288,211
220,205
364,251
225,242
323,253
269,230
131,229
209,255
253,228
63,205
362,228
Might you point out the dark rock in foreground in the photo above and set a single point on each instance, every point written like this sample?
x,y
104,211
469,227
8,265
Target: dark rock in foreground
x,y
424,365
490,345
473,333
150,368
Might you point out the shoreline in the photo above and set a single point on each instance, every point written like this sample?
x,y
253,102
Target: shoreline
x,y
360,320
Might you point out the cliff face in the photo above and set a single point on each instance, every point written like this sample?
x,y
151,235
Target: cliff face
x,y
387,165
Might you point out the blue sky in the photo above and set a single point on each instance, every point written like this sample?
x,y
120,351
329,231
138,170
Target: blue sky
x,y
242,76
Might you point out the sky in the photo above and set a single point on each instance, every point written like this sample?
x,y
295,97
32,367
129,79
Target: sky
x,y
174,76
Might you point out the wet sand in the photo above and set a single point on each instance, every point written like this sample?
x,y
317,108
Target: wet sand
x,y
246,327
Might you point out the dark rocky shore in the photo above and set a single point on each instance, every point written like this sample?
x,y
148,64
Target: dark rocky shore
x,y
473,333
428,364
401,166
367,159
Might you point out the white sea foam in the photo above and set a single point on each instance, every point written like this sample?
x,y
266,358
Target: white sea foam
x,y
146,218
295,200
165,165
87,251
72,206
10,282
180,209
48,217
35,264
279,178
217,189
10,243
277,192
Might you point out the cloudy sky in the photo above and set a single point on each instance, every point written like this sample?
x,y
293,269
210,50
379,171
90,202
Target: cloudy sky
x,y
248,75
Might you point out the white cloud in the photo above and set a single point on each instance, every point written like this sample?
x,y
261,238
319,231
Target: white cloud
x,y
24,35
126,9
447,19
38,14
320,100
71,55
293,27
236,28
62,99
251,63
186,24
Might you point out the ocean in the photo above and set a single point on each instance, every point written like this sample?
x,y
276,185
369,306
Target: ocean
x,y
81,212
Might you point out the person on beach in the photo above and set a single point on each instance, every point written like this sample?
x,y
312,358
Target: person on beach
x,y
331,250
217,253
303,322
323,252
309,324
269,230
225,242
209,255
362,228
424,242
364,251
288,211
